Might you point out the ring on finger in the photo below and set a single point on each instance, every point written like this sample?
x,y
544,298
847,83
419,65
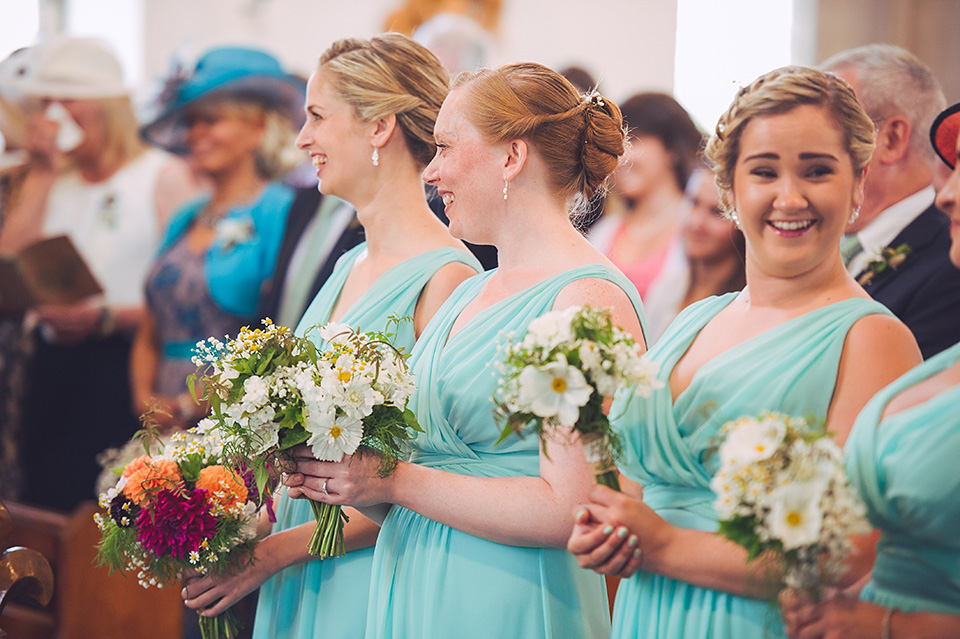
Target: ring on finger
x,y
323,487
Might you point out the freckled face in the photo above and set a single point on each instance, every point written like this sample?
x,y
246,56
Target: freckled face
x,y
336,140
948,201
794,190
467,172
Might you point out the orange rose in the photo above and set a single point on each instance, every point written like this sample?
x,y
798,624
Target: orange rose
x,y
224,487
151,476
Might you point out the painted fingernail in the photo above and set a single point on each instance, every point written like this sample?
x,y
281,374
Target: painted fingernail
x,y
637,553
607,530
581,514
622,532
633,541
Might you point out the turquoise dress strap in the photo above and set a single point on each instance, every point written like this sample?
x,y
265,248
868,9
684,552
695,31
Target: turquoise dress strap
x,y
671,449
329,598
905,467
431,581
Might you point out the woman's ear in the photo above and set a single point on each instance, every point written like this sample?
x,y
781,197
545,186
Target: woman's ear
x,y
383,129
517,154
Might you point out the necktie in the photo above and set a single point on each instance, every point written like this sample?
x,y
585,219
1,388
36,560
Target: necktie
x,y
850,247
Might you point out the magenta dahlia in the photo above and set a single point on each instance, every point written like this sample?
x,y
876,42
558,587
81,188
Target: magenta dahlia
x,y
176,524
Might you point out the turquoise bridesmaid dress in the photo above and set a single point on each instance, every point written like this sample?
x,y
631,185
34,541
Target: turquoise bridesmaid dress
x,y
671,449
329,598
431,581
907,473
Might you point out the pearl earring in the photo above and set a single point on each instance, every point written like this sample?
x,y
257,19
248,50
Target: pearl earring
x,y
375,157
854,215
505,185
734,217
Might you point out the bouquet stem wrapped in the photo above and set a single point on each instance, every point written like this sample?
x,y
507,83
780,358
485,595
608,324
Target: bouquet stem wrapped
x,y
556,378
270,390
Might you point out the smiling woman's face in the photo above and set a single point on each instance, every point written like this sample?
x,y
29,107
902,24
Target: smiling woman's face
x,y
794,190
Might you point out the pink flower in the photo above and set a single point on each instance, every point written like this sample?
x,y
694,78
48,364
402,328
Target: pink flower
x,y
176,524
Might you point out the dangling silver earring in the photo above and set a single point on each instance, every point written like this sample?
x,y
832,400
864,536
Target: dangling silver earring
x,y
854,215
734,217
375,157
505,185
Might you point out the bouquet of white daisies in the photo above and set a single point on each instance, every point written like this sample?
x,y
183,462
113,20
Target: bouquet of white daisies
x,y
781,490
558,375
270,390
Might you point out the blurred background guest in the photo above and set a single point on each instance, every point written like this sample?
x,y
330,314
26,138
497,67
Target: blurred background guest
x,y
709,260
91,178
898,246
664,146
236,116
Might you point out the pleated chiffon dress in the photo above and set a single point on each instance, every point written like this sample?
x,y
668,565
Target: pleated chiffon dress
x,y
328,598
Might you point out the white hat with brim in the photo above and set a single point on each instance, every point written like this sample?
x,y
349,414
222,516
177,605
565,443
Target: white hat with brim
x,y
69,68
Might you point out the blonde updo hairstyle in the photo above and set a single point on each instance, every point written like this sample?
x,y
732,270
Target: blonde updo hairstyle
x,y
778,92
581,138
390,74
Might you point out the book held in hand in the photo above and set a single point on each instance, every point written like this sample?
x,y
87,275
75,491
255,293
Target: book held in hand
x,y
49,271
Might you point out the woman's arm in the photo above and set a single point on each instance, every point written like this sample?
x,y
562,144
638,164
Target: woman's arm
x,y
878,349
23,223
520,511
706,559
213,595
846,618
436,292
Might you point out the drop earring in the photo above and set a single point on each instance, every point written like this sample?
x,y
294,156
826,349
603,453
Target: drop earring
x,y
375,157
505,185
734,217
854,215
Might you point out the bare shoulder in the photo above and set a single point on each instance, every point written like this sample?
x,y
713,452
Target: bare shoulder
x,y
599,293
881,336
438,289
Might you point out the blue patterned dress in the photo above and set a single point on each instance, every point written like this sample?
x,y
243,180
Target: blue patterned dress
x,y
431,581
670,449
906,470
328,598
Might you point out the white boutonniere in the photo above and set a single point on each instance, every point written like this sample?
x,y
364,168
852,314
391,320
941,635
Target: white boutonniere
x,y
233,231
888,258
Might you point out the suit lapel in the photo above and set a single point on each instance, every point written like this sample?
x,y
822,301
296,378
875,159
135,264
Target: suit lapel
x,y
918,235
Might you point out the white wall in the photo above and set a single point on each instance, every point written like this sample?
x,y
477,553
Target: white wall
x,y
628,43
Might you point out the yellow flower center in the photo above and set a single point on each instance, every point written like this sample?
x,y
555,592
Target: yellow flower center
x,y
761,448
335,432
344,376
558,384
794,518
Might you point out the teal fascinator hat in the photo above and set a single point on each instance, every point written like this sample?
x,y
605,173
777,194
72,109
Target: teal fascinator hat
x,y
240,73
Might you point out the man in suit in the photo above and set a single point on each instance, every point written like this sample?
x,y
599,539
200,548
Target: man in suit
x,y
320,228
897,247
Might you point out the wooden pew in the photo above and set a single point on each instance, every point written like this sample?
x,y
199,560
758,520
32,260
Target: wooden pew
x,y
87,602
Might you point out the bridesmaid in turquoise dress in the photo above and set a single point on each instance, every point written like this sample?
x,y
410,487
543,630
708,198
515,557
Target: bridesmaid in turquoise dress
x,y
802,338
473,532
902,456
408,266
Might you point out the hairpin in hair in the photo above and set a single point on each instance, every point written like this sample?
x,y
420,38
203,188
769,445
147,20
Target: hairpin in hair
x,y
596,99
